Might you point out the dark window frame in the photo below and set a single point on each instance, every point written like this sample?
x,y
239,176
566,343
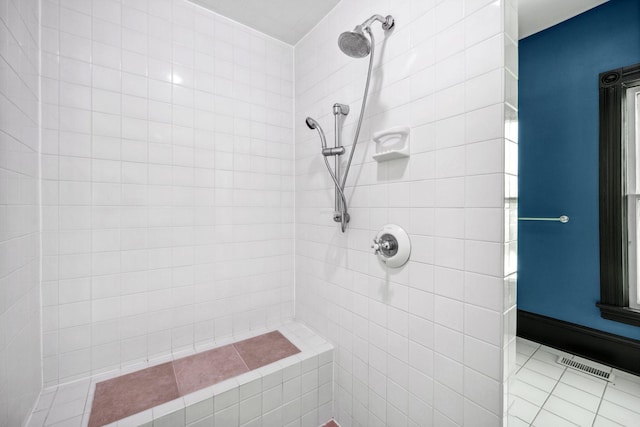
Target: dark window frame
x,y
614,280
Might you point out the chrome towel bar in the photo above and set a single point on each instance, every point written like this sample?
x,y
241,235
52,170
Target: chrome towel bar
x,y
563,219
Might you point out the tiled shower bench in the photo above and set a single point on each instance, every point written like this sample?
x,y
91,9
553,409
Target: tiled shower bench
x,y
294,391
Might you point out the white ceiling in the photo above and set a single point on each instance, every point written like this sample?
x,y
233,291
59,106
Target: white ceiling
x,y
290,20
537,15
286,20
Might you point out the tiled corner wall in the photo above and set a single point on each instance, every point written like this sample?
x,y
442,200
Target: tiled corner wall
x,y
511,201
167,163
428,343
20,374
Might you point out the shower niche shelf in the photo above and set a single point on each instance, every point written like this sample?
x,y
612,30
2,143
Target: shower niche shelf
x,y
392,143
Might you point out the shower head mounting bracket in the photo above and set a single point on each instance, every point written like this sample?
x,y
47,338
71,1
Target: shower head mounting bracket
x,y
387,22
340,109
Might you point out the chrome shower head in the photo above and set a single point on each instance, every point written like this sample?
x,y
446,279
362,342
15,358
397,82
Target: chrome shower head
x,y
354,43
312,124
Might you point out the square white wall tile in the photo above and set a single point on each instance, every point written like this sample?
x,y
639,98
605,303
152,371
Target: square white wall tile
x,y
136,91
20,318
453,184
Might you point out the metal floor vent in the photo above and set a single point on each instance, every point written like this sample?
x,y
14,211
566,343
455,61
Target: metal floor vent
x,y
598,373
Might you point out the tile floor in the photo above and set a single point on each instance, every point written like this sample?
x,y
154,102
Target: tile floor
x,y
545,394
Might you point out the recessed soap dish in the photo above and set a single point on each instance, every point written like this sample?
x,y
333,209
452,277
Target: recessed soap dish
x,y
392,143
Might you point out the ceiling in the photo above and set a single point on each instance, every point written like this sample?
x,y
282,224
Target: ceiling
x,y
286,20
537,15
302,15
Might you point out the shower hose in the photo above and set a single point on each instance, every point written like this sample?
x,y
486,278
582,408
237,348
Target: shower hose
x,y
344,216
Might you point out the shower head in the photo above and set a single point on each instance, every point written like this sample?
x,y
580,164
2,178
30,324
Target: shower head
x,y
312,124
355,44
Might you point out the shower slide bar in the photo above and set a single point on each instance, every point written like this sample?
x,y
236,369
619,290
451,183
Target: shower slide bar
x,y
356,45
563,219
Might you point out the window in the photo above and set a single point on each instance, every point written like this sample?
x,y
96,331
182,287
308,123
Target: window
x,y
631,117
620,195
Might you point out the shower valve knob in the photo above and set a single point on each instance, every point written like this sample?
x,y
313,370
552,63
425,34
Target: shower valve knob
x,y
392,246
384,245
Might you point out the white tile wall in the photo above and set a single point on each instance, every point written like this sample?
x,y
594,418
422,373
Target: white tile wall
x,y
20,374
168,200
427,344
167,181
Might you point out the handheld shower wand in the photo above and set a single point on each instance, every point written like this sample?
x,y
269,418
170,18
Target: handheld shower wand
x,y
312,124
335,151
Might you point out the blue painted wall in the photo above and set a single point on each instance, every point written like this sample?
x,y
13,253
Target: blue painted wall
x,y
558,271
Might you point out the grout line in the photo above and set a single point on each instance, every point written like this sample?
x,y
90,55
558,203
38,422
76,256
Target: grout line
x,y
40,226
550,393
606,385
528,358
175,378
241,358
